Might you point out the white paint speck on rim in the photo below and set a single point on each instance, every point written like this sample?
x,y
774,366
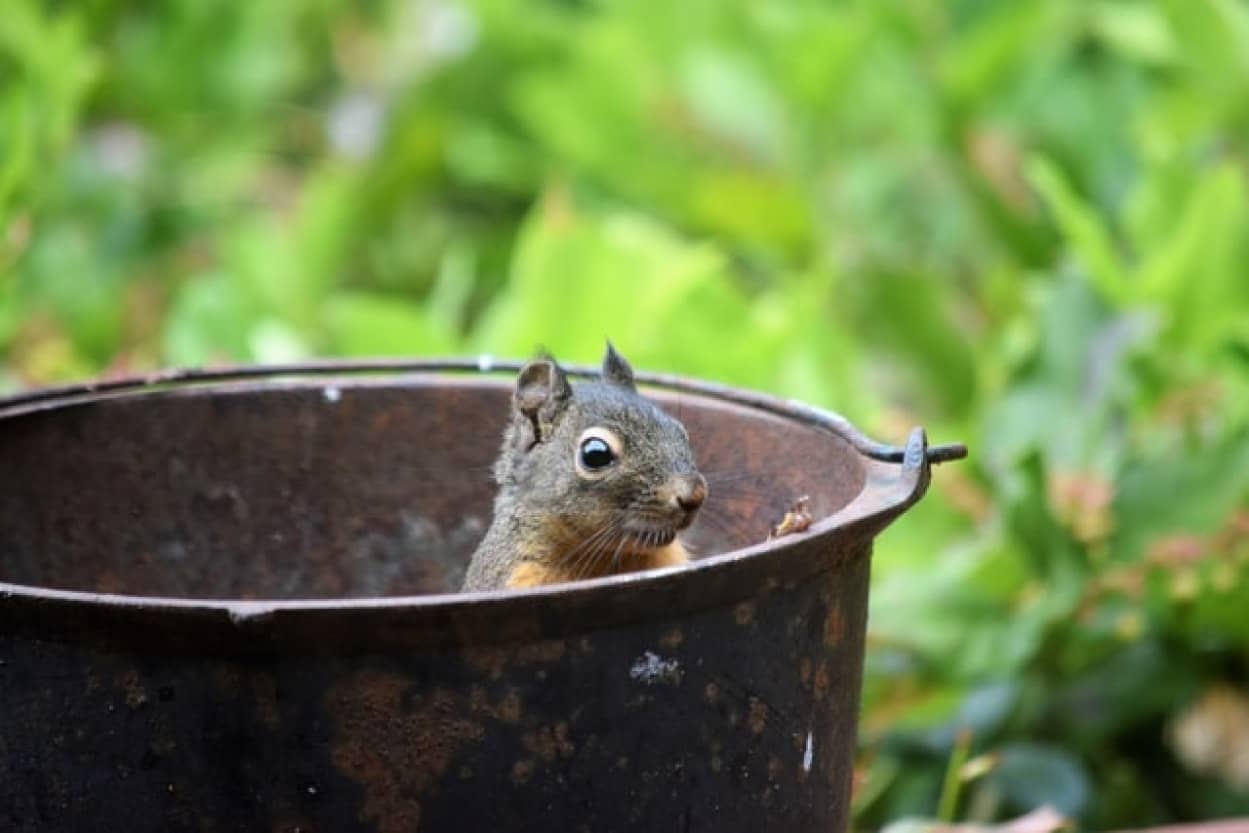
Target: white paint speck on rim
x,y
650,668
485,363
332,394
808,754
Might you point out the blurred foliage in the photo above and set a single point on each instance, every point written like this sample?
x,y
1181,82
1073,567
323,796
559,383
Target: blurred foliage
x,y
1021,224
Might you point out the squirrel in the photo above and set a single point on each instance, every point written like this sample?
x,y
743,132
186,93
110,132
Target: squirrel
x,y
593,480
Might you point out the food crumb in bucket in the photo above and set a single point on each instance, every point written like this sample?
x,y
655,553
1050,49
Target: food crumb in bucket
x,y
797,519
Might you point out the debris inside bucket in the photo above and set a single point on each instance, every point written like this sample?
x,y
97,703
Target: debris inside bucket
x,y
797,519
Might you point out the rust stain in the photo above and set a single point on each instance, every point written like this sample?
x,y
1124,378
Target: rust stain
x,y
395,742
834,627
547,650
822,680
492,660
521,630
133,690
488,660
672,639
758,719
744,613
549,741
509,707
110,582
521,771
507,710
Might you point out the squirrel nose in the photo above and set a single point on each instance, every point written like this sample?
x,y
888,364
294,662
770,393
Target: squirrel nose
x,y
693,494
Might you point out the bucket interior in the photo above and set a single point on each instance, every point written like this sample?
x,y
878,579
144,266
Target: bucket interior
x,y
332,489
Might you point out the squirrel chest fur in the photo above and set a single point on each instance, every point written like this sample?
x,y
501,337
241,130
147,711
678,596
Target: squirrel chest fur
x,y
593,480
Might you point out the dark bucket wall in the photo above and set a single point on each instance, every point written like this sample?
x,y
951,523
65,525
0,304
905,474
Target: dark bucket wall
x,y
330,490
736,718
722,697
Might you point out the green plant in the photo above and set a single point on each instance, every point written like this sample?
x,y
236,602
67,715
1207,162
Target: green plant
x,y
1019,224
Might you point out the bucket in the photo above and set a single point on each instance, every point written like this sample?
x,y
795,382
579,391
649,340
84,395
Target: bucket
x,y
227,604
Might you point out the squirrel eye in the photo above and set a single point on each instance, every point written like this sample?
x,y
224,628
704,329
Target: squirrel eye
x,y
596,454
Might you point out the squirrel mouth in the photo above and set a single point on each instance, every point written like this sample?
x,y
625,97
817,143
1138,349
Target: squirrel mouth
x,y
647,538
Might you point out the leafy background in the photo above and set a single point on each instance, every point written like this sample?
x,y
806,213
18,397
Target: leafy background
x,y
1021,224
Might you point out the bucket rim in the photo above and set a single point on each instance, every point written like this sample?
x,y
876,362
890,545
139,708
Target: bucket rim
x,y
897,476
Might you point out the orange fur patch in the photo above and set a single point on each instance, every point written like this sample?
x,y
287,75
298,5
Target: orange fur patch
x,y
672,555
535,574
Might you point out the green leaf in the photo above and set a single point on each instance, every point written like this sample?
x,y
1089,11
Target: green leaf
x,y
1049,550
1083,230
1217,616
1196,271
974,64
62,275
16,142
1214,38
1031,775
363,324
1120,692
10,310
906,316
274,341
1137,30
209,323
983,712
730,99
669,304
1178,489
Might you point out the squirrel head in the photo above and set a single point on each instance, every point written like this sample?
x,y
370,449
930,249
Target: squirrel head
x,y
596,457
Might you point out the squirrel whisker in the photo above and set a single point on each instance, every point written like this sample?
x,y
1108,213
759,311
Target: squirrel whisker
x,y
574,558
608,555
615,559
593,563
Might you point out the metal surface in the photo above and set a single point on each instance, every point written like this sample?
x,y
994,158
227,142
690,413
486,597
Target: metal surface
x,y
225,608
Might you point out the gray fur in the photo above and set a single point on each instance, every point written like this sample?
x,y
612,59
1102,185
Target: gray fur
x,y
536,468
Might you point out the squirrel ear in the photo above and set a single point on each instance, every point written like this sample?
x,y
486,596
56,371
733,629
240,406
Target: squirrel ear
x,y
542,390
616,370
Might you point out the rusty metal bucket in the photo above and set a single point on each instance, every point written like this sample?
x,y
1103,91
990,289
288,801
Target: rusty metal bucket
x,y
226,607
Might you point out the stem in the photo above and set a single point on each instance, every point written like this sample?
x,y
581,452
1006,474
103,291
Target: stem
x,y
953,783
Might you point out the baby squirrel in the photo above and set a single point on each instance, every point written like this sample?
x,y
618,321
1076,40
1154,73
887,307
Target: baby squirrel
x,y
592,481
